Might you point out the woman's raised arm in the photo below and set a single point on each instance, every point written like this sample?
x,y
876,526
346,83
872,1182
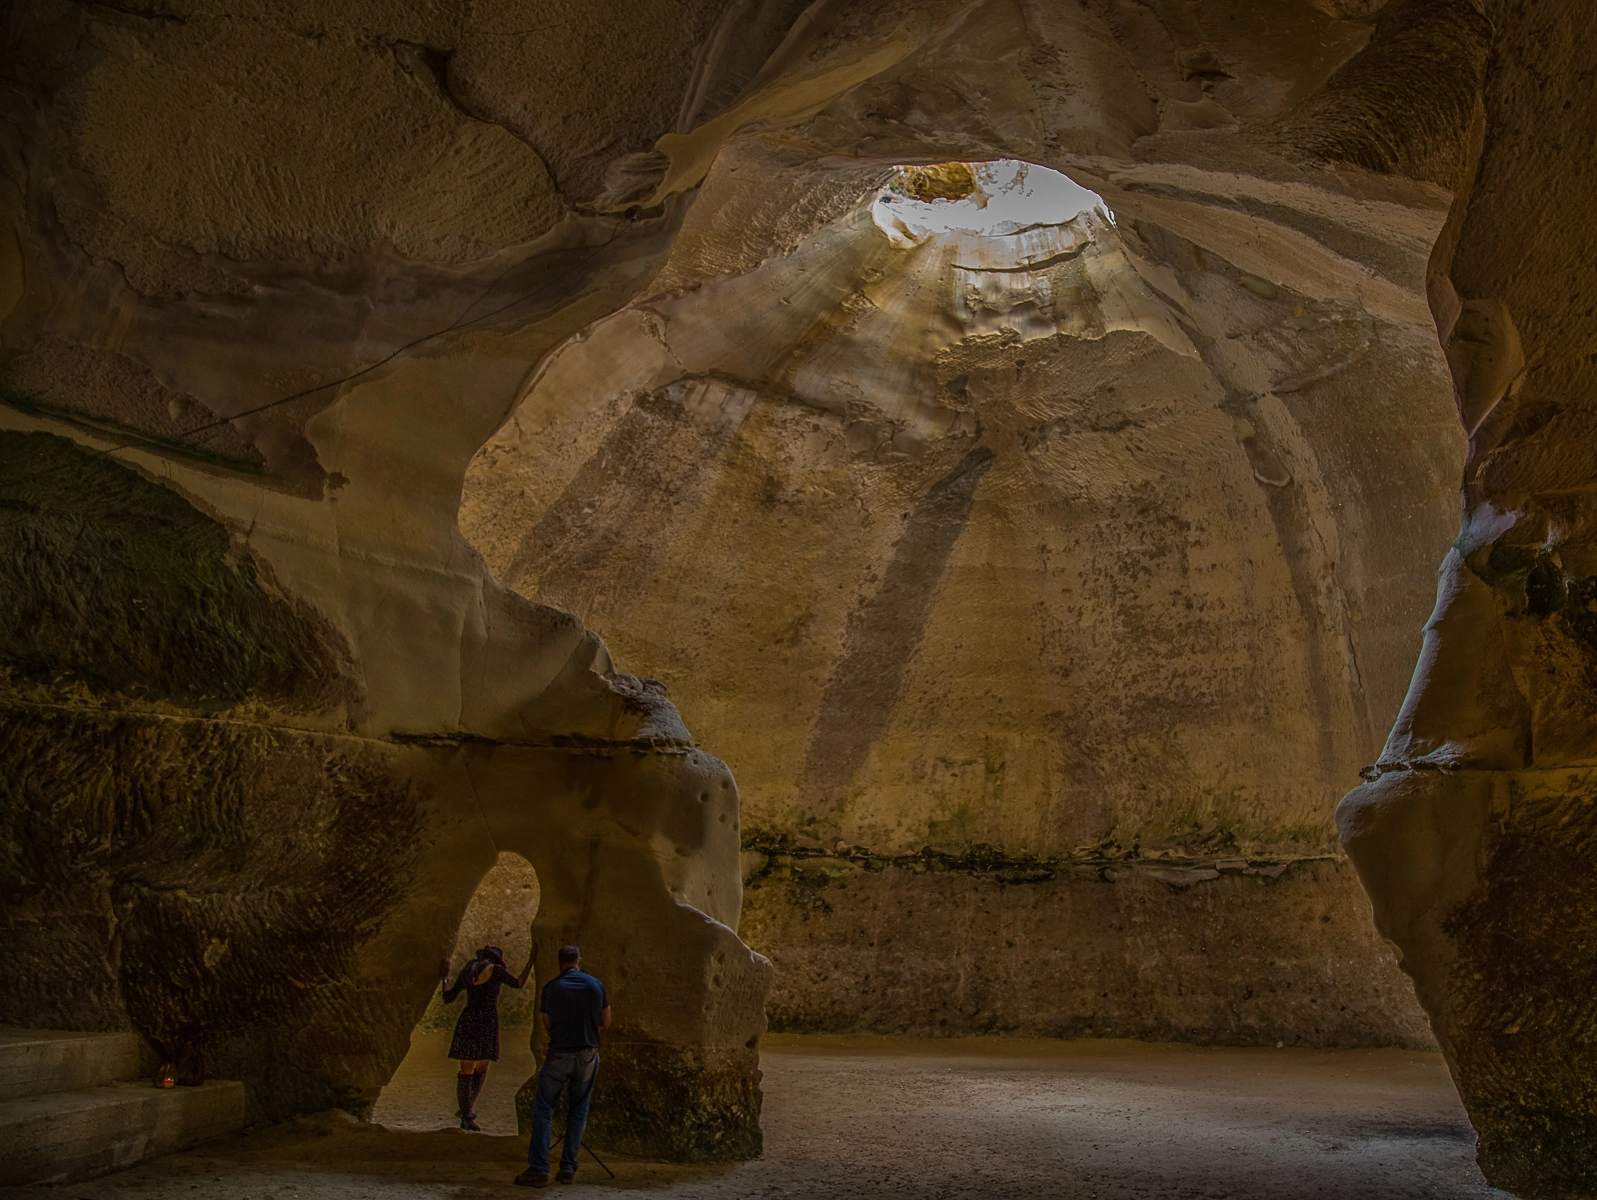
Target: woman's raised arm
x,y
449,993
532,957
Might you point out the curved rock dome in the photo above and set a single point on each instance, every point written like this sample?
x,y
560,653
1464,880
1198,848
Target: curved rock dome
x,y
1026,541
381,384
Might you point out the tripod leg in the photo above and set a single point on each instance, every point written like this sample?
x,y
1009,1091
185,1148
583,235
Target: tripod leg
x,y
598,1160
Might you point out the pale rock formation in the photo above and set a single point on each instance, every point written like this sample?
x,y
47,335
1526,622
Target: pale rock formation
x,y
270,281
1062,544
269,718
1474,834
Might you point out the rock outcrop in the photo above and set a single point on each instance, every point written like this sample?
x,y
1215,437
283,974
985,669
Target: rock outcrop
x,y
1086,560
1474,832
1067,543
268,719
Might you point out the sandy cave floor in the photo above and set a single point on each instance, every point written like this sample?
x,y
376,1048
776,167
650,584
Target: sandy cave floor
x,y
855,1117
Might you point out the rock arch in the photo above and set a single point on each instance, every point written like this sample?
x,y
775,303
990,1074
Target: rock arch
x,y
261,739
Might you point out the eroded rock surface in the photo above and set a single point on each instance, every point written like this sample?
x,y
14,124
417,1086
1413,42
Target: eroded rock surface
x,y
1402,91
268,720
1474,833
1107,559
1069,543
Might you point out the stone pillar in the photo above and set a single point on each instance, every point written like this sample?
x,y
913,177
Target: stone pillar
x,y
1475,833
636,849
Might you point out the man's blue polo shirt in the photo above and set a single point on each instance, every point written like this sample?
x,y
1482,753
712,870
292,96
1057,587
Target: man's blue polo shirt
x,y
573,1001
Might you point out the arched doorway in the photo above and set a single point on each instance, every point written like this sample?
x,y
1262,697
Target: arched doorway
x,y
421,1093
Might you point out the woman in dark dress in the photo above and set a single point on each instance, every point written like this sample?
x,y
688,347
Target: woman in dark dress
x,y
476,1041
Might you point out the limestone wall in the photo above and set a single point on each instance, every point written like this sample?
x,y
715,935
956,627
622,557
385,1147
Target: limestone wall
x,y
268,283
1474,834
1102,562
1093,577
933,948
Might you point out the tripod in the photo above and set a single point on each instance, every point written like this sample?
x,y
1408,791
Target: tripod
x,y
580,1148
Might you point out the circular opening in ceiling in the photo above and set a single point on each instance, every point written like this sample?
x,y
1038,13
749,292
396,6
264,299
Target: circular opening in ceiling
x,y
992,199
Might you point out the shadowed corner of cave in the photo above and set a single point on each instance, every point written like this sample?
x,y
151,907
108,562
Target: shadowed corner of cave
x,y
1016,575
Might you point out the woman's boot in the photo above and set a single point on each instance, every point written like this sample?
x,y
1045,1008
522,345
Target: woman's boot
x,y
477,1080
465,1096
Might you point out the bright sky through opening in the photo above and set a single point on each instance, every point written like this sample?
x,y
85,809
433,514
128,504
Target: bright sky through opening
x,y
1017,196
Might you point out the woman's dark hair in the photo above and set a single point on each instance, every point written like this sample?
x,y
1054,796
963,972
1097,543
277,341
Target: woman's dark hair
x,y
491,954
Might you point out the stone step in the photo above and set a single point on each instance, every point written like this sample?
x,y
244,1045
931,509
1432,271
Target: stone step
x,y
35,1061
64,1137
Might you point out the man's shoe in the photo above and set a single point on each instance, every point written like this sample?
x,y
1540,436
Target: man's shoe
x,y
566,1177
528,1179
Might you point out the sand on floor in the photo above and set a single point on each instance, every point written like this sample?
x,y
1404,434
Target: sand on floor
x,y
862,1117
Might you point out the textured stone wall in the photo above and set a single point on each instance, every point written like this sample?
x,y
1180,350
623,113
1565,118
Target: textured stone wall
x,y
266,284
193,853
933,947
1474,834
1412,94
1078,545
292,269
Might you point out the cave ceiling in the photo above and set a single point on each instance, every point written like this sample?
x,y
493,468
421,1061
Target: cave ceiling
x,y
382,381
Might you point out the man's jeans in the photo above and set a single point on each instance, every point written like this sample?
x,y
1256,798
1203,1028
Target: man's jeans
x,y
573,1069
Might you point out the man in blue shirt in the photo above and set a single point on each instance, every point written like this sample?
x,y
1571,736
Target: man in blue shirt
x,y
575,1008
